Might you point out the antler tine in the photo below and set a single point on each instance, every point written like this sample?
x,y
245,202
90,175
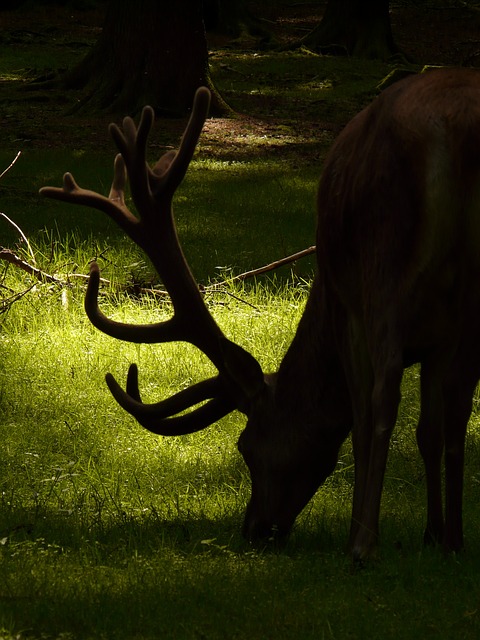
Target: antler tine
x,y
132,142
181,160
157,418
131,138
164,331
117,190
113,206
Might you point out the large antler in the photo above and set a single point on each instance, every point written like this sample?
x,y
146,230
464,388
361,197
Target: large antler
x,y
154,230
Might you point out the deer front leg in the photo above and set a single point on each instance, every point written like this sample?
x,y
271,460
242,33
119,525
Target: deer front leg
x,y
358,372
361,440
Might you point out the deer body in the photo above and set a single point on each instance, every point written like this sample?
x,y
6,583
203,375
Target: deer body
x,y
399,243
398,251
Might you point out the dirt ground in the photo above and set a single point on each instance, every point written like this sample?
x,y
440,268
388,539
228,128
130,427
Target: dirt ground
x,y
432,35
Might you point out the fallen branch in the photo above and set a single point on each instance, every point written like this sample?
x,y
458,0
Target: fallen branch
x,y
9,256
12,258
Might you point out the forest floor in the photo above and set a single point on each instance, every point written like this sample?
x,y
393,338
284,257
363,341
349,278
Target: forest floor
x,y
106,532
56,37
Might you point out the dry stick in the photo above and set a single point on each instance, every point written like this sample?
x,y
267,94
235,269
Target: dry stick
x,y
24,237
42,276
256,272
270,267
9,256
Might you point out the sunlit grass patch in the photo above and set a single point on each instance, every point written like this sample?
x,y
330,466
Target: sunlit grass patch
x,y
109,531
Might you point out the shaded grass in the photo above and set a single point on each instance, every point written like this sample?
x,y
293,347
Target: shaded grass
x,y
227,213
315,86
177,597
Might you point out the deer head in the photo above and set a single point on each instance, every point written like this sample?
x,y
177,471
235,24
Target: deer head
x,y
397,248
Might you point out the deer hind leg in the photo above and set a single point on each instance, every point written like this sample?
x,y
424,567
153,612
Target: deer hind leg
x,y
385,400
458,406
460,383
430,440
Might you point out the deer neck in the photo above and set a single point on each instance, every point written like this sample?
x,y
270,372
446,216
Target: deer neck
x,y
310,385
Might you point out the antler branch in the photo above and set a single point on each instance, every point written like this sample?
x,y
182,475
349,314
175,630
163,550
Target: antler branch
x,y
154,230
156,417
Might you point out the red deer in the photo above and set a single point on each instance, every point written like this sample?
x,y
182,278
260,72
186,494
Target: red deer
x,y
398,282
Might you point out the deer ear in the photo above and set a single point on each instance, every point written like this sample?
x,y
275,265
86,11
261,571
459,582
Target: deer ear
x,y
243,369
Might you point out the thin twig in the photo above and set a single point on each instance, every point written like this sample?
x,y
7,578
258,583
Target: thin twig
x,y
42,276
24,237
6,303
10,165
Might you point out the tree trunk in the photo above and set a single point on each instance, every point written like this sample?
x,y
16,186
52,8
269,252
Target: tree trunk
x,y
354,27
233,18
149,52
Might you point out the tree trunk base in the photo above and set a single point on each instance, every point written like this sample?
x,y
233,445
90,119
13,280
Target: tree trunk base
x,y
148,53
366,33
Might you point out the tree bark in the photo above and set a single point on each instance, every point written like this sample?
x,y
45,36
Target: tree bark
x,y
149,52
354,27
232,18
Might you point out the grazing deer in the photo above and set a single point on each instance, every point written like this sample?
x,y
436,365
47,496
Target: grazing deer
x,y
398,282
